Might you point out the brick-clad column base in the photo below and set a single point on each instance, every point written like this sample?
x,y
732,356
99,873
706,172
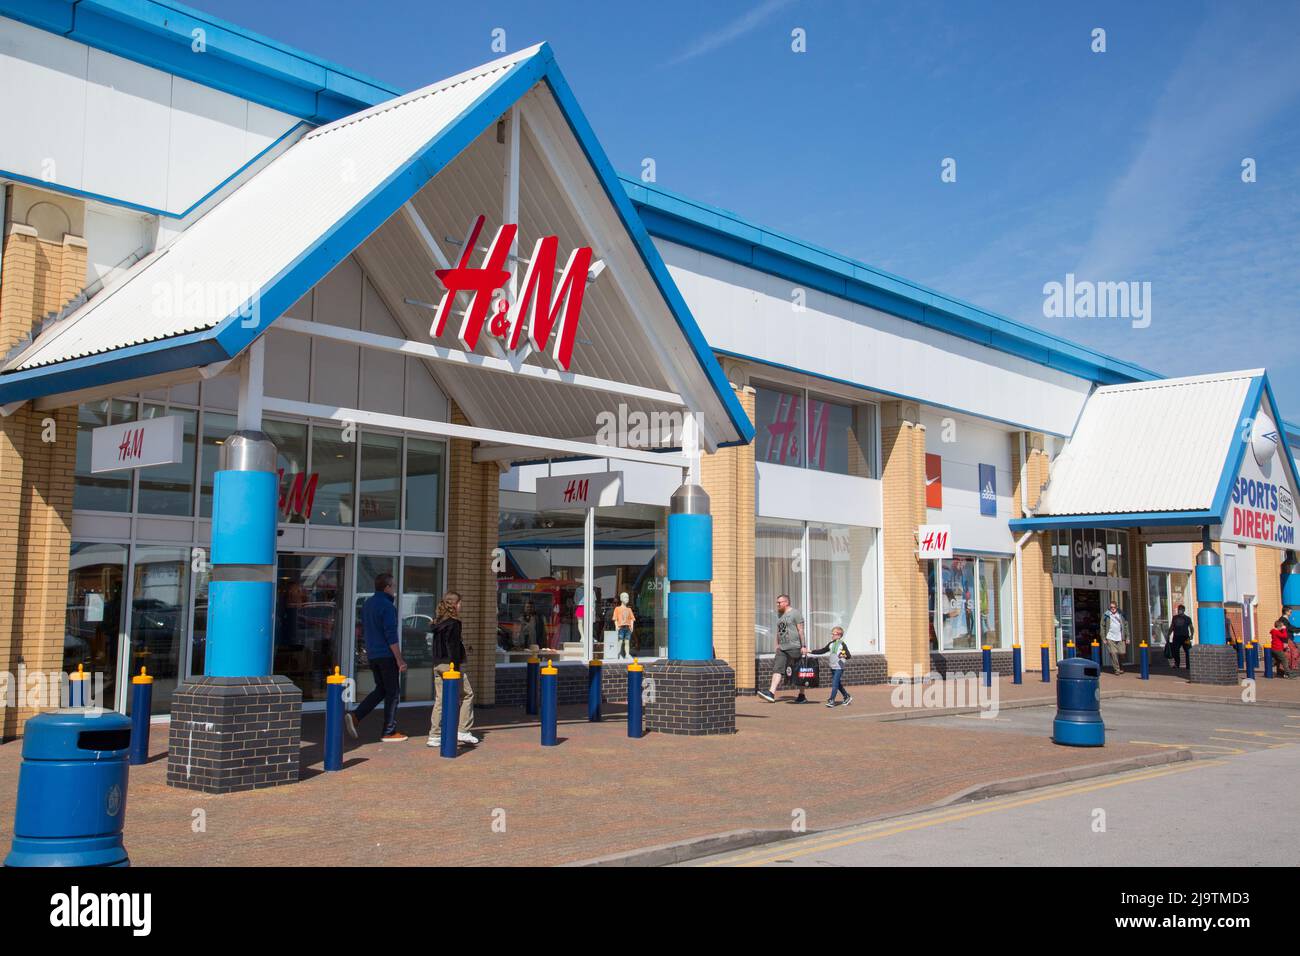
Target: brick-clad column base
x,y
234,733
693,698
1211,664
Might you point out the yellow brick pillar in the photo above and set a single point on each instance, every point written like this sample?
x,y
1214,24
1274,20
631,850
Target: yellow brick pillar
x,y
471,537
1268,582
37,462
906,597
1036,555
1139,593
727,476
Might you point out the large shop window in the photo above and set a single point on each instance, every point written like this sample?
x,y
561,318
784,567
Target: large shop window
x,y
419,586
972,606
425,469
334,465
1090,552
830,573
169,489
1165,591
95,613
539,592
800,429
108,491
159,607
309,613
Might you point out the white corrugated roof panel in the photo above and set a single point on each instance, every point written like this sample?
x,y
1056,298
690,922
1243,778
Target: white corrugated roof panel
x,y
264,226
1149,447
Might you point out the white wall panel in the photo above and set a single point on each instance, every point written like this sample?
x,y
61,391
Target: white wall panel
x,y
383,374
128,122
805,494
44,128
288,365
424,399
94,121
1172,556
748,312
974,443
112,237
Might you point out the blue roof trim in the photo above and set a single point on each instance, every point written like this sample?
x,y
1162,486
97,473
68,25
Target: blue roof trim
x,y
613,187
718,232
231,335
127,204
1149,519
1230,467
235,60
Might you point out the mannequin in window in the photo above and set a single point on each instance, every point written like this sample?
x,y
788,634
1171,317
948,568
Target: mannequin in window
x,y
624,620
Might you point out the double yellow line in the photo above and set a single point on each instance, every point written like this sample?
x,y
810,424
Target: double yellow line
x,y
789,850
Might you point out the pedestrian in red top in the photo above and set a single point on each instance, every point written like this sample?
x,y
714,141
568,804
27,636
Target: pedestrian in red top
x,y
1281,635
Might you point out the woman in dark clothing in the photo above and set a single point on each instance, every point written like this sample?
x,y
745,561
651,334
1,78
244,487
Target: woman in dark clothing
x,y
449,652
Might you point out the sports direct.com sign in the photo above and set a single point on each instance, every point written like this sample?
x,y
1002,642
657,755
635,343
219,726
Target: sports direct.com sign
x,y
1261,508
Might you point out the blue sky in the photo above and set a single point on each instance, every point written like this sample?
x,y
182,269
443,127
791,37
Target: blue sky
x,y
1122,166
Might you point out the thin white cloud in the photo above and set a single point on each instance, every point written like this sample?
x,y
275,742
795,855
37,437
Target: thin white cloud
x,y
737,28
1230,82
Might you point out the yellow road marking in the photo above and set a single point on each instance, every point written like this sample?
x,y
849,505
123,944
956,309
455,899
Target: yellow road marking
x,y
1271,735
891,827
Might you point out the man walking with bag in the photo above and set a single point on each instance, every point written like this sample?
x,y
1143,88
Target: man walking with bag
x,y
1114,629
790,646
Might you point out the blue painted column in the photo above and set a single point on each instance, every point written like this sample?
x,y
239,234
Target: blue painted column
x,y
1210,628
1291,589
241,595
690,573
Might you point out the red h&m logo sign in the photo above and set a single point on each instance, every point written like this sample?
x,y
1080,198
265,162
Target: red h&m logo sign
x,y
131,447
297,497
537,306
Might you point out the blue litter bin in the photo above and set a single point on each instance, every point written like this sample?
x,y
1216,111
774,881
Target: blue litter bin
x,y
1078,704
72,790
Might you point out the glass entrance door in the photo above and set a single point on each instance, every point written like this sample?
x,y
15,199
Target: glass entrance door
x,y
310,611
1087,620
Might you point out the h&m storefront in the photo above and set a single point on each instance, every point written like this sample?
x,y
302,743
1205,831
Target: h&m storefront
x,y
396,395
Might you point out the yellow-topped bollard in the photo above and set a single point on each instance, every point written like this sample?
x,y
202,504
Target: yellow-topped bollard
x,y
530,687
550,703
334,709
635,682
141,712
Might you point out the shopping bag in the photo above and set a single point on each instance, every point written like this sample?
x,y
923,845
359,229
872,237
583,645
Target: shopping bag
x,y
806,672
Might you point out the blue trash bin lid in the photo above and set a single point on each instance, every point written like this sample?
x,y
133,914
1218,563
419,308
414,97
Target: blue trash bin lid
x,y
1077,668
76,734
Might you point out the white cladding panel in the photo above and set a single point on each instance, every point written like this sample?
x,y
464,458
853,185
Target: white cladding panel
x,y
805,494
642,483
748,312
973,443
1171,555
98,122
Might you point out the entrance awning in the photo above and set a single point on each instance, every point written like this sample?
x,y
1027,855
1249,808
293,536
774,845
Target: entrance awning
x,y
396,186
1176,455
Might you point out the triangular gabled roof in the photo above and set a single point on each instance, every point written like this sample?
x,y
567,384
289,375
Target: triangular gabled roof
x,y
1170,453
204,298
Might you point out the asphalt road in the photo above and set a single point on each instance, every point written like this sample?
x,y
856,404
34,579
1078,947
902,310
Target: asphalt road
x,y
1244,777
1208,729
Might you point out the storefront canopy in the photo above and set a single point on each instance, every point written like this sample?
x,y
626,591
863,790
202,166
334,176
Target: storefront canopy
x,y
393,185
1174,456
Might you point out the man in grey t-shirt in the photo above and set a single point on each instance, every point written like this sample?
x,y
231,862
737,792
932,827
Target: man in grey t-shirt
x,y
790,646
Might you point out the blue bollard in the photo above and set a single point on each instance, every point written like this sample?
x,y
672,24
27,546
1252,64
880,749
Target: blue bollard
x,y
530,692
1241,663
449,743
1254,654
635,678
77,696
334,685
1146,661
1250,665
988,665
550,702
1268,664
141,708
1069,649
593,690
1096,654
1047,664
1015,664
72,790
1078,705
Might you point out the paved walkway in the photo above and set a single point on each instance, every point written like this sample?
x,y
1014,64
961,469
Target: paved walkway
x,y
598,793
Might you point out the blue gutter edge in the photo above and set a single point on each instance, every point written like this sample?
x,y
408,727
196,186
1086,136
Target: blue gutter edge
x,y
235,60
1223,491
127,204
1152,519
718,232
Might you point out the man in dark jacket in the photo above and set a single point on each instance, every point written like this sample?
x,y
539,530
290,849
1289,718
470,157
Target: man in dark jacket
x,y
1180,636
384,649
